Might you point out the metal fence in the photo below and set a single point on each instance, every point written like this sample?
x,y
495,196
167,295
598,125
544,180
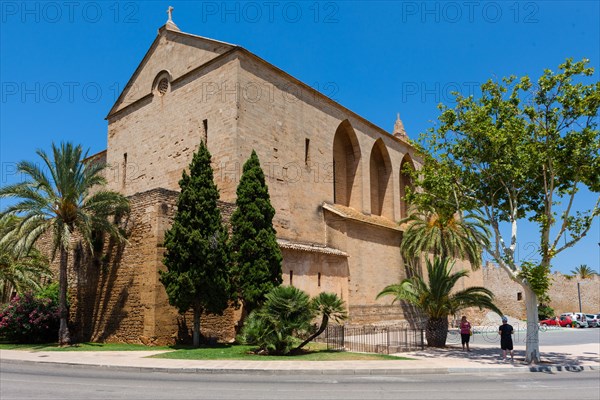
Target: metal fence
x,y
373,339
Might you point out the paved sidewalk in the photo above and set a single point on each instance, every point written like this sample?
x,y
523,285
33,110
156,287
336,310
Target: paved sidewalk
x,y
482,359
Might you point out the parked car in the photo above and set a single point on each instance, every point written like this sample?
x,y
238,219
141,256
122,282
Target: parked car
x,y
563,321
592,320
579,320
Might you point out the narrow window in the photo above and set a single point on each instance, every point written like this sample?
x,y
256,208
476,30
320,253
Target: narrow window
x,y
205,125
519,296
306,151
291,278
124,169
335,199
319,279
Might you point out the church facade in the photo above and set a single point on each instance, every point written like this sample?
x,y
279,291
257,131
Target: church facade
x,y
335,181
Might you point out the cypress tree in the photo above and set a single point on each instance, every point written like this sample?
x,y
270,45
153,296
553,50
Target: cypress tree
x,y
196,249
256,267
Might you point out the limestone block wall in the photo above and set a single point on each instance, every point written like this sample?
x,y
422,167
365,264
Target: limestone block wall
x,y
563,293
115,293
292,129
152,141
315,272
564,297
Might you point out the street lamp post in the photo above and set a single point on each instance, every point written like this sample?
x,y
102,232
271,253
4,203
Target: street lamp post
x,y
579,295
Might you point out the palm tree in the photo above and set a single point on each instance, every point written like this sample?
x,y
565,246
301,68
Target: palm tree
x,y
444,234
436,298
286,312
19,272
584,272
330,307
63,197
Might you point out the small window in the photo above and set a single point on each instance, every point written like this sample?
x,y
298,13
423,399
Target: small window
x,y
163,86
205,126
519,296
291,278
319,279
124,170
306,151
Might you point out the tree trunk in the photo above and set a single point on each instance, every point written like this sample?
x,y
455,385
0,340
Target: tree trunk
x,y
196,333
436,332
63,332
324,323
532,343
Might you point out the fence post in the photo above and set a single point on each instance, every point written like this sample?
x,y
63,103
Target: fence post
x,y
387,347
422,340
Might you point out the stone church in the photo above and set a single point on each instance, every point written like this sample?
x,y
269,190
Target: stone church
x,y
335,181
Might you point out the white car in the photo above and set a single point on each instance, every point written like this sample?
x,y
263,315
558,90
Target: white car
x,y
592,320
578,318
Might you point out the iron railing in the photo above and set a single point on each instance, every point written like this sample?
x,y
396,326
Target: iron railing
x,y
373,339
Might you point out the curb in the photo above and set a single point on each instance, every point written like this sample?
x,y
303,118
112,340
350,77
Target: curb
x,y
358,371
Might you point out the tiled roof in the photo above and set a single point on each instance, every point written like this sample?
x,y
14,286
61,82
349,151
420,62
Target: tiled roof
x,y
351,213
310,247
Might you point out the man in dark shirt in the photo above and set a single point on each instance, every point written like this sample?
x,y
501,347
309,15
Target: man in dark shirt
x,y
505,331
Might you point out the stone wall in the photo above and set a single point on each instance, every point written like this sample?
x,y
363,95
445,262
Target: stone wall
x,y
510,297
115,293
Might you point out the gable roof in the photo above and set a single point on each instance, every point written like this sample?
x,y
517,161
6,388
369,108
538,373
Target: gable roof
x,y
172,29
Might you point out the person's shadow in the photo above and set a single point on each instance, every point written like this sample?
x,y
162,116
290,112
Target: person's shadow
x,y
490,355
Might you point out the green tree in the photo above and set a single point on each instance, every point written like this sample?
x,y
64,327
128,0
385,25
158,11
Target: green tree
x,y
522,151
584,272
445,234
256,255
437,299
21,272
330,307
64,197
196,249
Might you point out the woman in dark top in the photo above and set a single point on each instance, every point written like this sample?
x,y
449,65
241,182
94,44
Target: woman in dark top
x,y
506,343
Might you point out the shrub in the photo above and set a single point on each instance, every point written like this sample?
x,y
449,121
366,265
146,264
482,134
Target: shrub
x,y
545,312
29,319
286,313
50,291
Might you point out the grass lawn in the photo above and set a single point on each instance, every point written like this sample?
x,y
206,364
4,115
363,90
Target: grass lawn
x,y
315,352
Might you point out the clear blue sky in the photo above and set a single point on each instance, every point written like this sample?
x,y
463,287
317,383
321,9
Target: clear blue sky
x,y
63,63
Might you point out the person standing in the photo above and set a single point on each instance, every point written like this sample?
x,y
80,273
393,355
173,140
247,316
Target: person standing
x,y
465,332
506,343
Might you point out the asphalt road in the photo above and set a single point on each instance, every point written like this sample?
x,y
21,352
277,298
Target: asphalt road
x,y
38,381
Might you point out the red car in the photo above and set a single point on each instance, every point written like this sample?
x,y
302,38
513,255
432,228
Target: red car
x,y
564,321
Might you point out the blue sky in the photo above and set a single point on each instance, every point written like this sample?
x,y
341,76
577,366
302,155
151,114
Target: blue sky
x,y
63,63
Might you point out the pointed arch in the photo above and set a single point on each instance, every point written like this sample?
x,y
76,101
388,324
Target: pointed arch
x,y
380,167
346,159
405,183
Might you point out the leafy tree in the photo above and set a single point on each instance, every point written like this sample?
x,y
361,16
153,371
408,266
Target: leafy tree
x,y
19,272
286,312
518,152
64,197
256,256
196,250
330,307
437,298
584,272
445,234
